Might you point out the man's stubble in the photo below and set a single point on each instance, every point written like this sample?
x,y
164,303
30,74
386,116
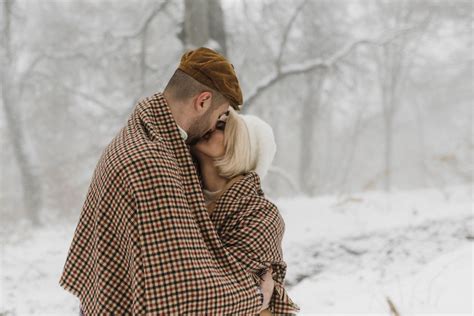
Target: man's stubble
x,y
199,127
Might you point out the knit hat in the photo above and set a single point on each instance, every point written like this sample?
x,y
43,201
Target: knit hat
x,y
262,143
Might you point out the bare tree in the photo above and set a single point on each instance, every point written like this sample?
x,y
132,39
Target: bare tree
x,y
394,61
11,95
142,34
311,107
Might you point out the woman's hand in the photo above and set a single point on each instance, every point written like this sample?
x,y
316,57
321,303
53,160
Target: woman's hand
x,y
267,286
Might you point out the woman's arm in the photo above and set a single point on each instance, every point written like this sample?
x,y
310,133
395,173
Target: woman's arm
x,y
253,234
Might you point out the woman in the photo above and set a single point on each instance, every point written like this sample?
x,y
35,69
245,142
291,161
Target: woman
x,y
231,161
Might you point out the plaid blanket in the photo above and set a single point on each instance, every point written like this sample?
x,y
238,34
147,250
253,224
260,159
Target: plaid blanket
x,y
252,229
145,243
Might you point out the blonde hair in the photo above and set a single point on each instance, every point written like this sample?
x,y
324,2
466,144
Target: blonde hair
x,y
237,157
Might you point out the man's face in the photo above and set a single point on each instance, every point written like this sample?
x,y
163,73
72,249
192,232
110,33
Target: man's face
x,y
206,124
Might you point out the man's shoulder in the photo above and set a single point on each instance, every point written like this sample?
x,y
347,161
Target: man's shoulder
x,y
128,153
139,148
155,154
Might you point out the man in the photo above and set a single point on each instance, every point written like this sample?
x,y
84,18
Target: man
x,y
144,243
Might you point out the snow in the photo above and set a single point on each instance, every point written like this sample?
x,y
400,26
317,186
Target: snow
x,y
345,255
443,286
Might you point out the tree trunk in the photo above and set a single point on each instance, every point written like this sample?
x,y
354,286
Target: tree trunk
x,y
311,107
204,25
30,182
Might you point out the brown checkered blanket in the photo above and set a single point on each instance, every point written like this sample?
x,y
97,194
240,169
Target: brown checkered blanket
x,y
145,244
251,228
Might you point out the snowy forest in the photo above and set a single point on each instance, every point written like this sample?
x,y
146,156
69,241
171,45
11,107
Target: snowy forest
x,y
371,105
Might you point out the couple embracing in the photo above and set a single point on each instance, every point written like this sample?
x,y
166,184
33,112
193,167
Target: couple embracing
x,y
175,221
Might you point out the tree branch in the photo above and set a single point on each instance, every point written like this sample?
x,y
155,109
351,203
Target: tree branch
x,y
82,94
146,21
287,32
311,65
286,176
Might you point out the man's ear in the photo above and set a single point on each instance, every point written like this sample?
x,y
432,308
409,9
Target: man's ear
x,y
203,102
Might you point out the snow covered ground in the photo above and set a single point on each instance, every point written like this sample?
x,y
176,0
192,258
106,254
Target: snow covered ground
x,y
348,255
345,255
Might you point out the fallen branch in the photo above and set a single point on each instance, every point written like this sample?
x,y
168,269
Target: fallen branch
x,y
393,309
